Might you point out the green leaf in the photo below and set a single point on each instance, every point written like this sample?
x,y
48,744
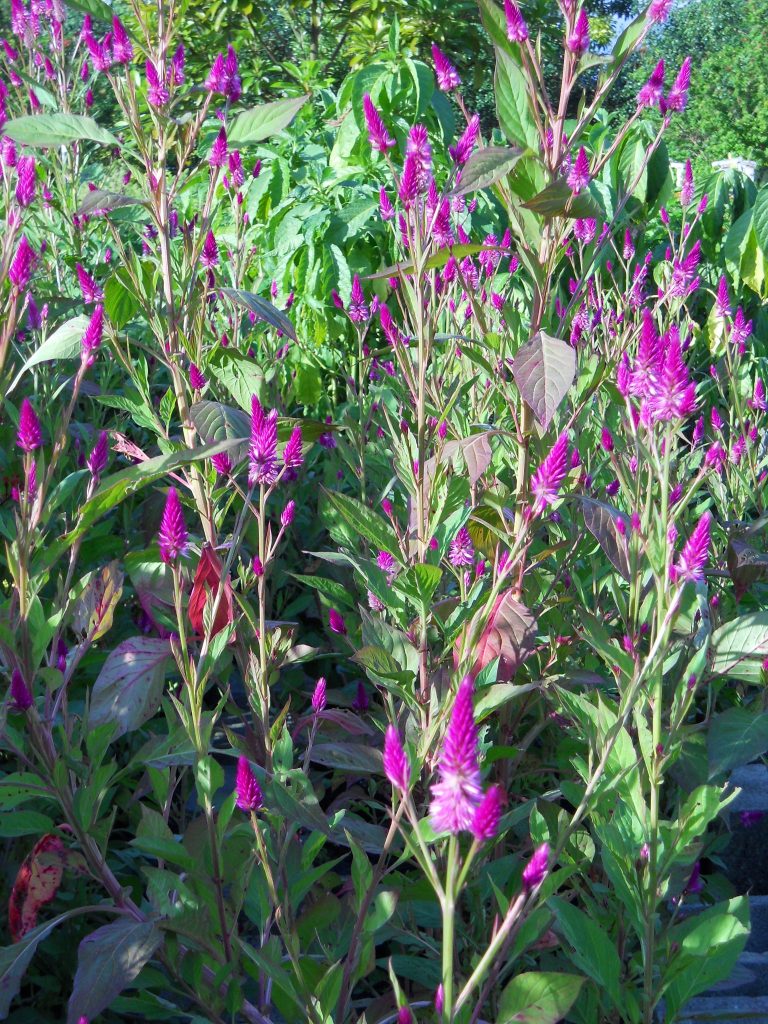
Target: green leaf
x,y
736,737
418,584
534,998
101,201
760,218
56,130
512,106
24,823
349,757
263,309
239,374
593,952
216,423
108,960
365,522
96,8
261,122
544,370
15,959
739,647
557,200
121,304
64,343
485,167
128,689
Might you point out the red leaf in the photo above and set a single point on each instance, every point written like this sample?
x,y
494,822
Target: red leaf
x,y
206,582
509,635
37,882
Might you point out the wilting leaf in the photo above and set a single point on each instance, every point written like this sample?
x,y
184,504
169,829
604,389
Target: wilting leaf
x,y
129,686
206,582
509,635
544,369
739,647
56,130
263,309
746,565
37,882
534,998
261,122
486,166
108,960
64,343
95,608
602,522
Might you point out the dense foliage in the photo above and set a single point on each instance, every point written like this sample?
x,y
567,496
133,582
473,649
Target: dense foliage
x,y
383,599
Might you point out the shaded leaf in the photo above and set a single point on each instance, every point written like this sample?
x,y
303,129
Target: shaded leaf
x,y
746,565
108,960
102,201
485,167
557,200
365,522
349,757
94,609
15,959
509,635
261,122
735,737
56,130
739,647
544,369
593,951
602,522
37,882
127,691
263,310
216,422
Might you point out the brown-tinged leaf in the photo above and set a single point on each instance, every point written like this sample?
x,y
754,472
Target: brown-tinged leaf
x,y
509,635
746,565
206,582
95,607
544,369
37,882
129,687
602,522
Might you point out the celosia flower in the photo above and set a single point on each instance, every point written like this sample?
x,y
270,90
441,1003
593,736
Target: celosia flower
x,y
578,40
606,440
686,192
361,702
218,155
177,65
257,566
93,333
222,464
410,180
91,292
378,136
20,694
651,93
209,257
262,450
386,209
722,300
172,537
485,822
197,379
292,454
578,176
122,47
20,270
232,84
358,310
404,1015
447,76
677,97
288,513
584,230
758,400
457,793
336,622
741,329
396,767
25,180
97,460
548,478
157,93
462,550
319,699
537,867
29,436
248,791
671,395
517,30
462,151
693,558
659,11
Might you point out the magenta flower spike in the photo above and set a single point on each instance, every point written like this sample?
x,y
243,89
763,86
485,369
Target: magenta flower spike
x,y
409,180
209,257
122,47
292,454
97,460
686,192
741,330
396,767
172,537
485,823
651,93
222,464
215,82
218,155
91,292
457,793
358,310
20,270
177,65
548,478
462,151
578,176
249,797
336,622
446,74
404,1015
578,41
671,396
693,557
288,513
658,12
537,867
378,136
262,450
517,30
677,97
319,698
20,694
258,566
25,180
197,380
157,93
361,702
723,299
91,340
29,436
758,400
462,550
386,209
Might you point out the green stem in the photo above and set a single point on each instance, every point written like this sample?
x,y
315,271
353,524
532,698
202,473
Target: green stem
x,y
449,923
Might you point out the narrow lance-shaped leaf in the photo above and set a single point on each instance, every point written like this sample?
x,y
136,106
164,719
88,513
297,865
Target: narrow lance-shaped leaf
x,y
267,119
43,130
